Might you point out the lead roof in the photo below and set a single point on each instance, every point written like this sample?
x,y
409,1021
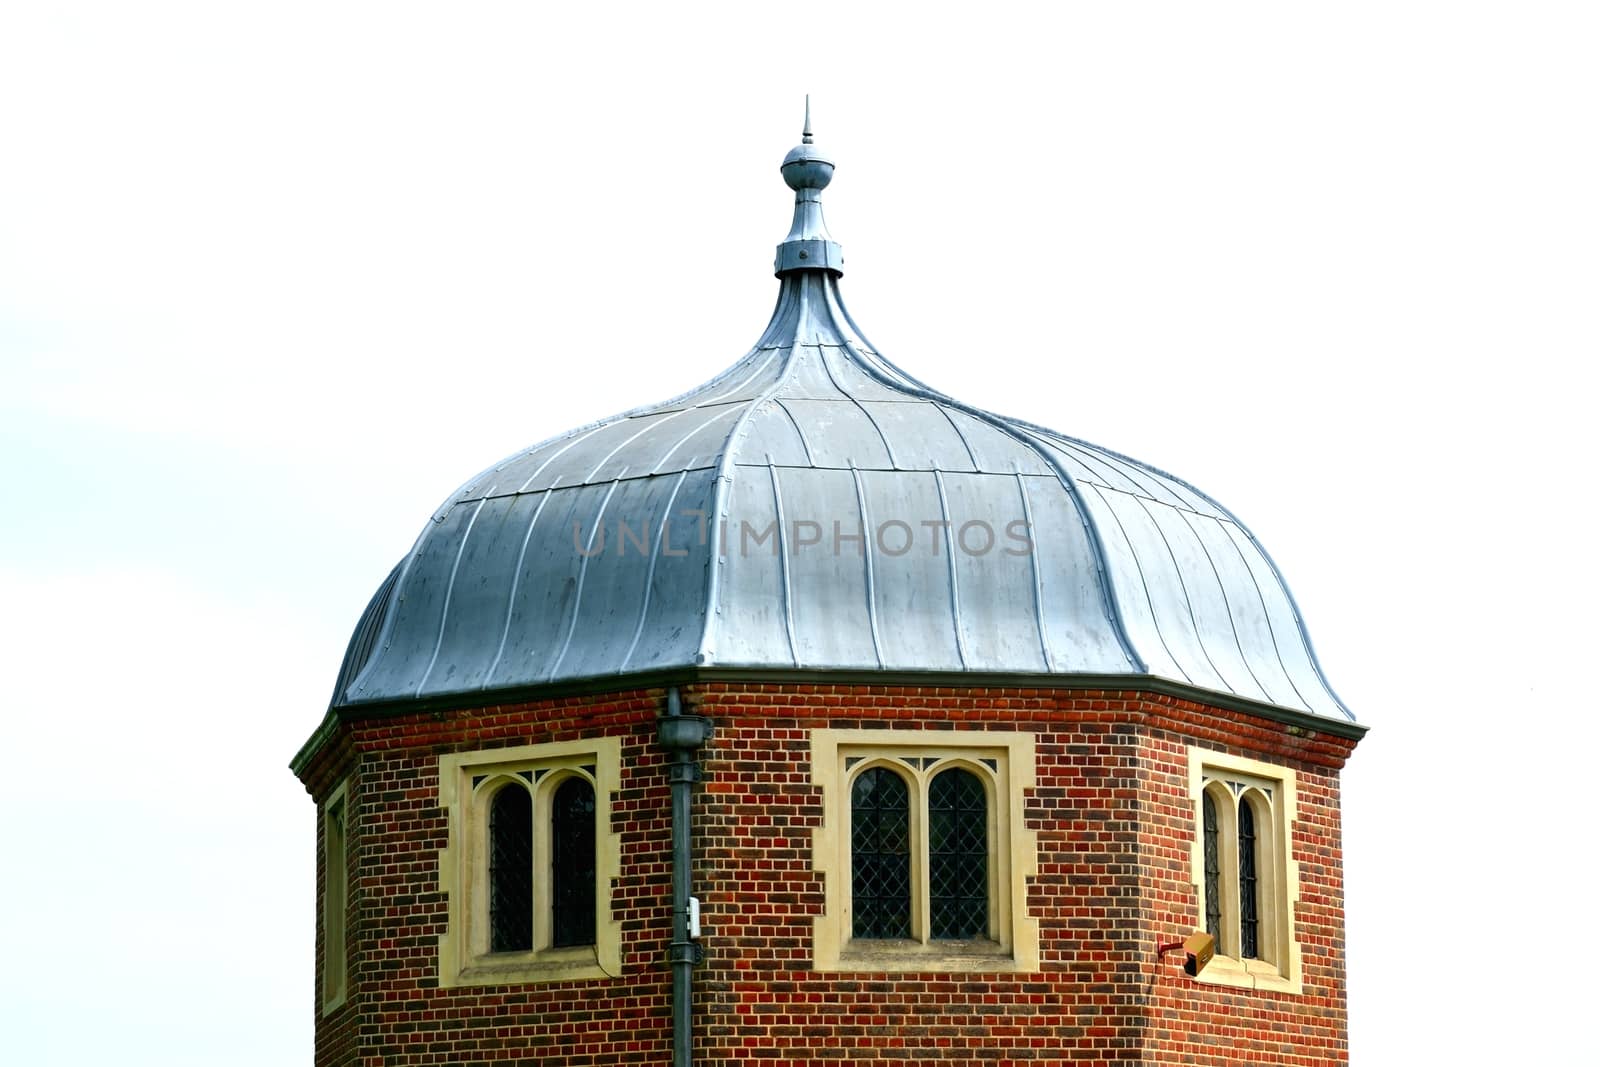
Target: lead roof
x,y
635,545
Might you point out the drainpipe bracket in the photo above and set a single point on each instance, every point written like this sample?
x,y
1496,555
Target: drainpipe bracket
x,y
688,952
679,773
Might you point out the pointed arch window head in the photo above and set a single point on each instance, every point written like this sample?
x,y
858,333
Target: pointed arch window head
x,y
1245,878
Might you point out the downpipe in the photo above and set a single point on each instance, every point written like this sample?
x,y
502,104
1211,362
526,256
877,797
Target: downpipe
x,y
682,736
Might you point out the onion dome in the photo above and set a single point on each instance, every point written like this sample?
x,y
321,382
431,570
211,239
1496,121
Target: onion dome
x,y
815,508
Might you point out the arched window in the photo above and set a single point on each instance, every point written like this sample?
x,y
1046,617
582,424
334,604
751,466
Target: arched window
x,y
572,864
925,856
880,839
1243,870
1248,899
511,870
921,861
958,856
1213,861
532,857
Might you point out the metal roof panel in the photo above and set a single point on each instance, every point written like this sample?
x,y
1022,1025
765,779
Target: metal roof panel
x,y
815,507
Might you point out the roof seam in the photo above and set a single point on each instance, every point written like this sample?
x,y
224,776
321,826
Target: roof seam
x,y
1144,584
955,582
444,608
650,572
787,291
1277,649
583,572
805,446
1038,579
1085,454
655,468
1108,596
783,566
583,484
1188,599
516,583
867,546
888,448
972,457
1233,627
665,418
1156,500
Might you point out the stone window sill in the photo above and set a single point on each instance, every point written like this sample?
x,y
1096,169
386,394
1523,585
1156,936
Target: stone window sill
x,y
1247,974
977,956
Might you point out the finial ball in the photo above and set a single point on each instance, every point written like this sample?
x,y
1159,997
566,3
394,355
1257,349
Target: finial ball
x,y
807,168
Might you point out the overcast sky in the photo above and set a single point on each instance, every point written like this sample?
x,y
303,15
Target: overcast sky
x,y
275,278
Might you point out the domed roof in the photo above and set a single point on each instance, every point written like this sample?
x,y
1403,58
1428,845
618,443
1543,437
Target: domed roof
x,y
815,508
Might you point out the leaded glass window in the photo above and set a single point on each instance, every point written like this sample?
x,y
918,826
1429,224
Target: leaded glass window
x,y
532,854
1247,881
1242,867
880,849
572,864
1213,869
511,870
925,852
958,855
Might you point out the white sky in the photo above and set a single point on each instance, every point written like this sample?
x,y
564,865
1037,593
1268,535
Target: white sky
x,y
274,279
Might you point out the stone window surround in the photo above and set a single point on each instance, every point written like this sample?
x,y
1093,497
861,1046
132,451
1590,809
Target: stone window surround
x,y
1004,762
467,785
1271,791
335,897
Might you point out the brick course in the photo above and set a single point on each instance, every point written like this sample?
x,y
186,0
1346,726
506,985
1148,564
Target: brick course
x,y
1114,827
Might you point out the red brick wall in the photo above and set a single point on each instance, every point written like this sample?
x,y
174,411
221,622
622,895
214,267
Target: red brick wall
x,y
1192,1023
336,1034
1113,824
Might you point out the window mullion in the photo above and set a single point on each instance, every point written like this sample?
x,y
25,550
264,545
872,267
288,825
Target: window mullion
x,y
1230,879
1276,872
921,905
543,875
998,839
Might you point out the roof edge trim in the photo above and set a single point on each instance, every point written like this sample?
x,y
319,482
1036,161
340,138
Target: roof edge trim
x,y
1299,720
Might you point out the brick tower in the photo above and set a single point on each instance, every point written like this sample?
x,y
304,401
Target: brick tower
x,y
814,715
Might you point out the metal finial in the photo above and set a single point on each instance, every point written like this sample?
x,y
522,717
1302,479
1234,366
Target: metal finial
x,y
807,171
